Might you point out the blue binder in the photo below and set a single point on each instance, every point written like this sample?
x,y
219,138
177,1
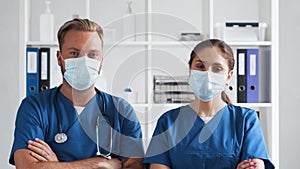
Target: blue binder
x,y
32,71
252,76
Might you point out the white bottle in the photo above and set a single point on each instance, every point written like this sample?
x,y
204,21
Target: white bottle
x,y
46,24
129,23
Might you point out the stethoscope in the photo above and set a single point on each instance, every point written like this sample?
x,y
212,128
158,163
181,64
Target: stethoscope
x,y
61,137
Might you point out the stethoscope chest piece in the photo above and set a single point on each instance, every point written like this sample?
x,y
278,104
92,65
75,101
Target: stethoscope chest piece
x,y
60,138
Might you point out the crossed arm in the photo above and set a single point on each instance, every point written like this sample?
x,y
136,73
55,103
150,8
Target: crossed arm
x,y
39,155
246,164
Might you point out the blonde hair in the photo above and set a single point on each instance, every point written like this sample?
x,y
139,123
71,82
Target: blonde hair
x,y
80,25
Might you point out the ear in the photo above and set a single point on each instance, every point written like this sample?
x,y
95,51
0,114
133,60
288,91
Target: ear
x,y
230,74
58,57
100,68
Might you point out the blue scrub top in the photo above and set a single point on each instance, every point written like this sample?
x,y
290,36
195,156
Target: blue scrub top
x,y
37,118
182,140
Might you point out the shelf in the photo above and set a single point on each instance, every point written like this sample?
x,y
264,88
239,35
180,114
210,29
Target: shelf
x,y
163,43
158,105
185,43
254,43
159,43
41,44
254,105
175,43
126,43
174,105
159,51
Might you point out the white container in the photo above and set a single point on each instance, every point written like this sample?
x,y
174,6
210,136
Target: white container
x,y
262,31
240,32
46,25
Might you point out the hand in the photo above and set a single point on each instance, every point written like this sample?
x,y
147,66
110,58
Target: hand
x,y
132,162
115,163
104,163
247,164
41,151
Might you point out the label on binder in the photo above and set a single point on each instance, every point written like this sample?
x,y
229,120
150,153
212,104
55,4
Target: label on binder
x,y
32,62
44,65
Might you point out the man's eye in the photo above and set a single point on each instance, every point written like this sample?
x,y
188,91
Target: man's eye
x,y
92,55
74,53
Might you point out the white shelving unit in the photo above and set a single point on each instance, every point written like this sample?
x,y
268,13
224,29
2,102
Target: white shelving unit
x,y
156,50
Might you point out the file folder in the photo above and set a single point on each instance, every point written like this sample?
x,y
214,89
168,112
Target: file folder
x,y
32,71
241,76
44,69
252,76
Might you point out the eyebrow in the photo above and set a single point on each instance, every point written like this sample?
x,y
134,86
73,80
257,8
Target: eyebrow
x,y
199,60
215,63
72,48
218,64
91,50
94,50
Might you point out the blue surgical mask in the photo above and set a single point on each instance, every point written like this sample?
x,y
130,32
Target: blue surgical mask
x,y
81,73
206,84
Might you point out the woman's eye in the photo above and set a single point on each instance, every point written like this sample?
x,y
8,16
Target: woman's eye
x,y
200,66
217,69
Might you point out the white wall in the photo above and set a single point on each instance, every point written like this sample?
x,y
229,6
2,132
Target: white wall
x,y
9,89
289,77
289,84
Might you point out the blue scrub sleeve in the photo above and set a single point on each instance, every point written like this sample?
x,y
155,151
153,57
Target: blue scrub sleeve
x,y
27,126
254,143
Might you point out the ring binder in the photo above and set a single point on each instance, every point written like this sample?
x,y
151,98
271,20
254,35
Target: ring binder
x,y
32,71
44,75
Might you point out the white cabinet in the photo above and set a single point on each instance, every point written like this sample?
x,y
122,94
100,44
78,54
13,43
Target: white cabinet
x,y
147,43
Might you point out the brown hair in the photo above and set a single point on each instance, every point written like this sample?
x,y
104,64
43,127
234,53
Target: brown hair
x,y
80,25
226,53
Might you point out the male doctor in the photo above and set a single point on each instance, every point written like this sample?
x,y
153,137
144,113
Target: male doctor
x,y
59,127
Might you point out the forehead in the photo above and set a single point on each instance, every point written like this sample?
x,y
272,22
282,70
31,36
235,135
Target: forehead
x,y
210,55
82,39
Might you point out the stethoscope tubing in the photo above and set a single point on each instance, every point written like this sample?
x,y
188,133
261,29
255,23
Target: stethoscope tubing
x,y
61,137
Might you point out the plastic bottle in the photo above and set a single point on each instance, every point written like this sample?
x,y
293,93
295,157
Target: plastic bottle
x,y
46,24
129,23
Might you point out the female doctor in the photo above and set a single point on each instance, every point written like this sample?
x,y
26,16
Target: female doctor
x,y
210,132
